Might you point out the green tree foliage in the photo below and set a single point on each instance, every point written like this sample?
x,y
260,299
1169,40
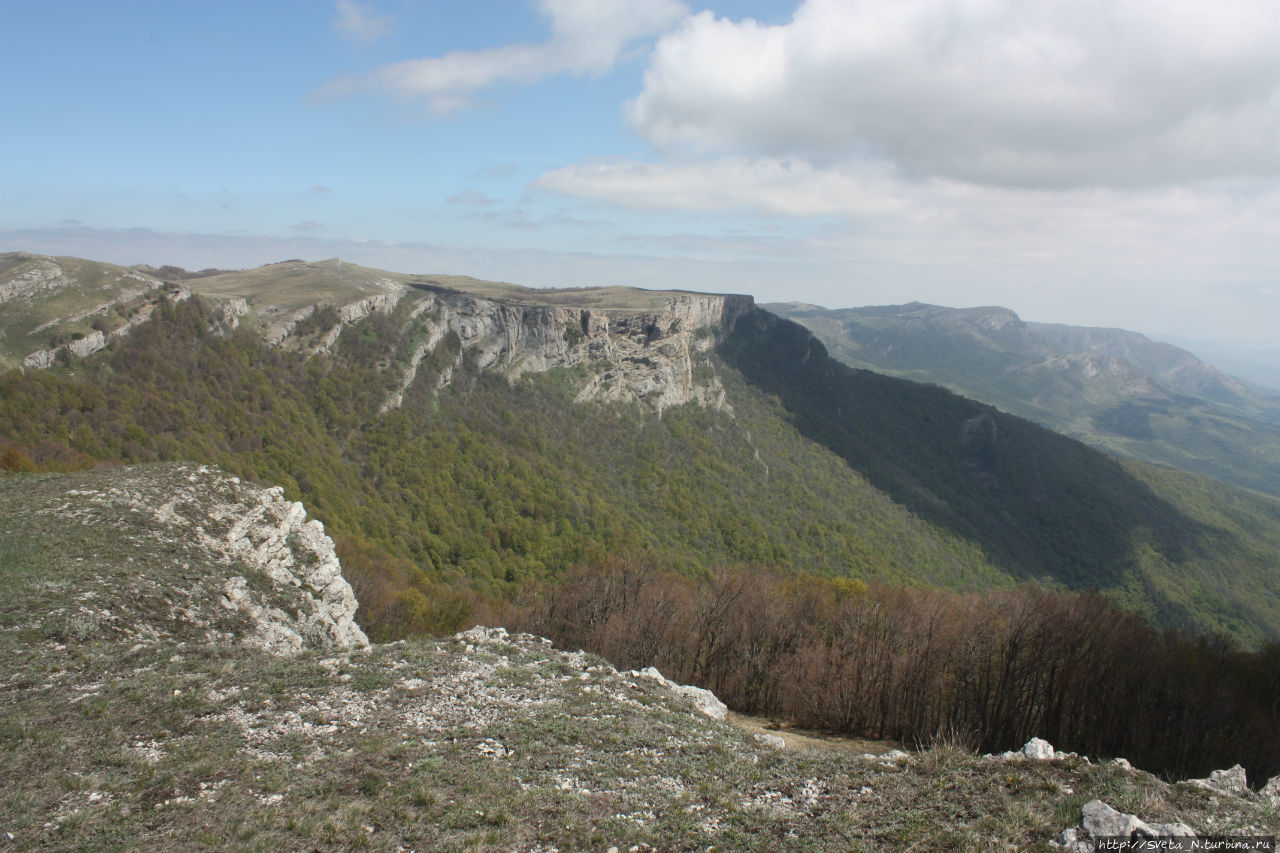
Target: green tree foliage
x,y
1040,505
468,492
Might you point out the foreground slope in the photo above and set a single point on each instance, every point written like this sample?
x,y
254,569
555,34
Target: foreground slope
x,y
1114,389
141,710
462,439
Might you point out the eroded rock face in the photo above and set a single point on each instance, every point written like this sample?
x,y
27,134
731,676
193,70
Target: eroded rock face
x,y
272,535
269,579
647,357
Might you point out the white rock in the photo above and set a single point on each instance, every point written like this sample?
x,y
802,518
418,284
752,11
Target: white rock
x,y
1098,820
1038,750
705,700
768,739
1231,782
40,359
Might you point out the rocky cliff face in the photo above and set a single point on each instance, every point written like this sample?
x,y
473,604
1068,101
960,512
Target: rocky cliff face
x,y
646,356
640,347
272,580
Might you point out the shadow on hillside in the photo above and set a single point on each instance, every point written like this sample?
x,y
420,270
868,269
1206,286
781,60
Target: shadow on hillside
x,y
1038,503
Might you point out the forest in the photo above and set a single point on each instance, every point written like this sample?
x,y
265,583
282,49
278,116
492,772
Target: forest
x,y
987,671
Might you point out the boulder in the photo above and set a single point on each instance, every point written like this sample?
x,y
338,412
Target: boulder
x,y
1099,820
1271,792
703,699
1231,782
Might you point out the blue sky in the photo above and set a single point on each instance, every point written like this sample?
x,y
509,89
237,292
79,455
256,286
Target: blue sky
x,y
1083,162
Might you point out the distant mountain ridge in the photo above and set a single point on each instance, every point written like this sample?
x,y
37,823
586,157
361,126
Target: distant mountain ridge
x,y
1115,389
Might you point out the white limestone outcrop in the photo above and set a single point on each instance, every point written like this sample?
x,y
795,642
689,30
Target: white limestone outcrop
x,y
704,700
311,603
643,356
1099,820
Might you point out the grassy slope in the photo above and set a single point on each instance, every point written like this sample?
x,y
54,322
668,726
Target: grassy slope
x,y
112,740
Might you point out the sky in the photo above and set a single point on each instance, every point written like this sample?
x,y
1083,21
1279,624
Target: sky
x,y
1094,162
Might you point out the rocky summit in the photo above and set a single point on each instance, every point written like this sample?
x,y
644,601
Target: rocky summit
x,y
181,671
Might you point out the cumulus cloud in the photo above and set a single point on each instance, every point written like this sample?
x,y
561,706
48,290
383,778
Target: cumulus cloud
x,y
1014,92
587,37
359,23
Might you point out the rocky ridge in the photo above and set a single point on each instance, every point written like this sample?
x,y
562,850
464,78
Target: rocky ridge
x,y
647,352
266,561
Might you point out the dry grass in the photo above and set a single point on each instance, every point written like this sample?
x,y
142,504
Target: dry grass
x,y
114,741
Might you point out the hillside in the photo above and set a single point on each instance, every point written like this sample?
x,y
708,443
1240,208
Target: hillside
x,y
461,447
143,708
1114,389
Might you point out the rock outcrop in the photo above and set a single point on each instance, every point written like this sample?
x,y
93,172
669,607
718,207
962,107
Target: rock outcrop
x,y
275,583
1099,820
38,274
647,356
272,536
1232,782
704,700
1037,749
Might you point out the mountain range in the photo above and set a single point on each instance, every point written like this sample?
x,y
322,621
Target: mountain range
x,y
465,439
1114,389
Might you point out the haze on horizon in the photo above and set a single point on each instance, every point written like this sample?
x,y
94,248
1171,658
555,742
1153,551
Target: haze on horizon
x,y
1094,163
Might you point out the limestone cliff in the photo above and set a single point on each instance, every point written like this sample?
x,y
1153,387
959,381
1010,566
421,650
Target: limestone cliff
x,y
647,356
632,345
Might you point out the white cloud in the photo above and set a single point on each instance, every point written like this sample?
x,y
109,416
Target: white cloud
x,y
790,187
471,198
1014,92
587,37
1131,254
359,23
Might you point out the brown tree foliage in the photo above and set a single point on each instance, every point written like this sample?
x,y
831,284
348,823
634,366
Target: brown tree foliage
x,y
991,669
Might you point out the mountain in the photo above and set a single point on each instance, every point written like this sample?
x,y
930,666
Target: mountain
x,y
463,440
1254,364
149,703
1116,390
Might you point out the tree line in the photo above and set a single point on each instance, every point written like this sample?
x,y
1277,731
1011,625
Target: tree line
x,y
990,670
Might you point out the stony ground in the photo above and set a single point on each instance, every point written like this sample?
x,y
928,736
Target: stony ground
x,y
133,716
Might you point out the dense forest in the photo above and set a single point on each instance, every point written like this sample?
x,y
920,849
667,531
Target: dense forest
x,y
837,548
